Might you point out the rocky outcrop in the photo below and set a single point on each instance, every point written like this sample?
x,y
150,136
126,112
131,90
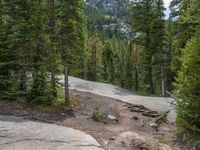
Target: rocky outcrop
x,y
19,134
134,141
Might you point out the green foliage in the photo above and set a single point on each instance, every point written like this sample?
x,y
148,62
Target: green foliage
x,y
32,35
188,88
100,15
98,116
148,24
186,16
40,92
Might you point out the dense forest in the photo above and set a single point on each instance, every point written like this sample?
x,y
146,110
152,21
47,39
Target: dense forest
x,y
126,43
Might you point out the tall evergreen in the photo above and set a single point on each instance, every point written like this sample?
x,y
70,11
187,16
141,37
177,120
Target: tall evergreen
x,y
39,90
95,62
157,35
148,25
6,58
108,66
71,33
188,88
15,37
51,43
186,17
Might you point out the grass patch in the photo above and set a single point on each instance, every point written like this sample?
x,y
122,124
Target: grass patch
x,y
98,116
164,140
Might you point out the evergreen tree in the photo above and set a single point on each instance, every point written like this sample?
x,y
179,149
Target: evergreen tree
x,y
51,43
71,33
186,16
14,46
40,91
129,67
107,59
157,45
148,25
95,64
188,88
7,60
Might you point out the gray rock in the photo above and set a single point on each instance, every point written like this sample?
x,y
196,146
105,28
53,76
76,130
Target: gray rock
x,y
153,125
112,118
19,134
134,141
63,114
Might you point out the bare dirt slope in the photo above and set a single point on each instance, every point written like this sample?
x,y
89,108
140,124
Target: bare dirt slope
x,y
132,130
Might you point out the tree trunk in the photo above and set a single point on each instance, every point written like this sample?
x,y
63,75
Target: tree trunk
x,y
67,98
162,73
136,79
95,64
162,81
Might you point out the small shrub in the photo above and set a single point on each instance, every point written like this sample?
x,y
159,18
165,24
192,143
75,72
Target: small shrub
x,y
74,102
98,116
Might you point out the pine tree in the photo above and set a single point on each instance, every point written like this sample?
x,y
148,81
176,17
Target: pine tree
x,y
5,58
108,64
148,25
71,33
129,67
188,88
14,47
157,44
186,16
51,42
40,91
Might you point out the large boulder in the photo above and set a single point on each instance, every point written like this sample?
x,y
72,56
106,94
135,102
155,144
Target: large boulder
x,y
20,134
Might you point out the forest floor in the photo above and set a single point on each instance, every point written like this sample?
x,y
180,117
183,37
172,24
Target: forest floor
x,y
126,126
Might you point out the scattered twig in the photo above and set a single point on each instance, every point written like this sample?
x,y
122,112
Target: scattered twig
x,y
37,119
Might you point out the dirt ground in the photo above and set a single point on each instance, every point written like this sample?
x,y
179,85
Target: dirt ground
x,y
80,117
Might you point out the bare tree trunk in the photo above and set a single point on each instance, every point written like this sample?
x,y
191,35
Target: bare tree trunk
x,y
95,63
67,98
162,69
162,74
136,79
162,80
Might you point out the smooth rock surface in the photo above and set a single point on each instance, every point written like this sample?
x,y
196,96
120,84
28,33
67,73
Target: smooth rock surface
x,y
20,134
160,104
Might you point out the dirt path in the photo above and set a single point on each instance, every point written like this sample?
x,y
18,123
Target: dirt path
x,y
111,136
